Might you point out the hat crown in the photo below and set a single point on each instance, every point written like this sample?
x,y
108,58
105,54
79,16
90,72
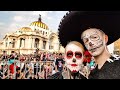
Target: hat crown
x,y
75,22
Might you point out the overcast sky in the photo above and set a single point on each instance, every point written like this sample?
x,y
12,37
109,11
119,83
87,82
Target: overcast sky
x,y
10,21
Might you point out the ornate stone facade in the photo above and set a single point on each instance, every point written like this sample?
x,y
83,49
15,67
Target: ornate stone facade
x,y
27,39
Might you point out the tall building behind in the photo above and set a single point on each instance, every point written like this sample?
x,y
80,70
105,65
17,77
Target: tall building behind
x,y
26,40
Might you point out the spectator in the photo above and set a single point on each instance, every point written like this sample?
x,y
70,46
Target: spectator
x,y
59,64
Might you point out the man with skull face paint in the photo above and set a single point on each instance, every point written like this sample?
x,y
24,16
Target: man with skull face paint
x,y
96,30
73,62
95,41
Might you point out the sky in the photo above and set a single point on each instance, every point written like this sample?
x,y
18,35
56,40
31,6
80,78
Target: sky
x,y
11,21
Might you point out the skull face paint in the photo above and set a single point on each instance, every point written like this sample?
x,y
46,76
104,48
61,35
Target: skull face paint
x,y
94,41
73,57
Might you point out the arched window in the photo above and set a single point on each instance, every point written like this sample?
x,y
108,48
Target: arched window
x,y
51,43
36,45
22,42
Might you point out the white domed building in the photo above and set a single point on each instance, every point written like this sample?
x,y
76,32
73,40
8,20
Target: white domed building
x,y
27,39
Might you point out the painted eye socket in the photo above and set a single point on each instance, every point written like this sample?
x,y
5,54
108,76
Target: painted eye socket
x,y
78,55
69,54
85,40
94,37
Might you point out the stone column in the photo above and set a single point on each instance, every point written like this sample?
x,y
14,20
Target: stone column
x,y
41,44
17,44
30,44
47,45
27,43
33,43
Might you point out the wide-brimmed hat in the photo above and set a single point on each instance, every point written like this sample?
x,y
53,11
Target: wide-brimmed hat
x,y
75,22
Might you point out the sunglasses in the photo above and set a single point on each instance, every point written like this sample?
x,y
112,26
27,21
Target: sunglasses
x,y
77,54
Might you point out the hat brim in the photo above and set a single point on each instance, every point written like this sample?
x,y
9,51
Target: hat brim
x,y
74,23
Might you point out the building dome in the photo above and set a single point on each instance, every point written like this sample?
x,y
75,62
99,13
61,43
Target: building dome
x,y
25,29
39,23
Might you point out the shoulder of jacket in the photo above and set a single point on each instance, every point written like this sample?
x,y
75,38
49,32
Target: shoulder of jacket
x,y
113,58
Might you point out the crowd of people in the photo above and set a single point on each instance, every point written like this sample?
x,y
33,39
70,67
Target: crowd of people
x,y
37,66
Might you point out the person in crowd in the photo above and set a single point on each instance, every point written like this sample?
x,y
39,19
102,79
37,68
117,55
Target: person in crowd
x,y
59,64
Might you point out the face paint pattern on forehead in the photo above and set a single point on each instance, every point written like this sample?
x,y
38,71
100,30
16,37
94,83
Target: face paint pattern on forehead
x,y
89,34
73,48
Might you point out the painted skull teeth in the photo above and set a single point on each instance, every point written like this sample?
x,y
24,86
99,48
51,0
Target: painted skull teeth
x,y
93,49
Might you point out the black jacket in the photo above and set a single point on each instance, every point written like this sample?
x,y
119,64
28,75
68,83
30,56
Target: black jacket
x,y
110,70
59,75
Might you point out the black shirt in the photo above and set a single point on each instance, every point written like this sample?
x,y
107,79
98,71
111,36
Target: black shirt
x,y
59,63
59,75
110,70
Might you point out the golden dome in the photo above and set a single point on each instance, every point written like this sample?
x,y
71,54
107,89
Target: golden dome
x,y
25,29
39,23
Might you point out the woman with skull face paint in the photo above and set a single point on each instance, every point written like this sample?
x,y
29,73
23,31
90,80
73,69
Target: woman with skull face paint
x,y
93,29
73,62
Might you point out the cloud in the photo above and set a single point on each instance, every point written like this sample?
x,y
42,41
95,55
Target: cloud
x,y
14,25
2,24
49,18
21,13
18,18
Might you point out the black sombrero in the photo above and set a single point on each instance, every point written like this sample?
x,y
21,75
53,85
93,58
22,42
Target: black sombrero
x,y
75,22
